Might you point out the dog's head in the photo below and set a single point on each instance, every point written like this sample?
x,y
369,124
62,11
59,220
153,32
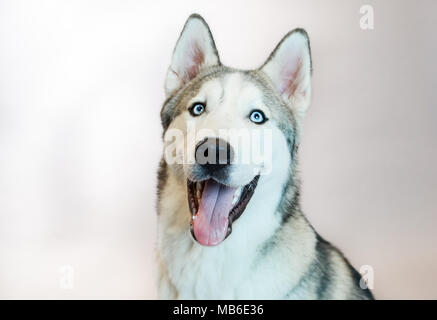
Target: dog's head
x,y
227,131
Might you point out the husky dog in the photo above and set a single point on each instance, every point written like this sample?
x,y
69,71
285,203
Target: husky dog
x,y
230,229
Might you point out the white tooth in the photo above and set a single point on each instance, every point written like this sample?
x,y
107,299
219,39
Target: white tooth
x,y
237,195
234,200
238,192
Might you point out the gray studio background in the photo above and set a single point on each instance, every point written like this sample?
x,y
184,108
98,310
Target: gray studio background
x,y
81,86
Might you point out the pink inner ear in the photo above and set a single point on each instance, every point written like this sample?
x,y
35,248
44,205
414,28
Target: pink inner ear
x,y
196,58
289,76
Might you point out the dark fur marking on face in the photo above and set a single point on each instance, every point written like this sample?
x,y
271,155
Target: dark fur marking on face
x,y
174,105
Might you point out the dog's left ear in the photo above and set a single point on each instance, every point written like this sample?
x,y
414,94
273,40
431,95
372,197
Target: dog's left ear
x,y
289,68
194,51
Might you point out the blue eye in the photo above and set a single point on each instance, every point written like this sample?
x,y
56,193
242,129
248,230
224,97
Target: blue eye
x,y
197,109
257,116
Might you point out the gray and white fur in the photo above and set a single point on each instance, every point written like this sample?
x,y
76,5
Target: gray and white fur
x,y
273,252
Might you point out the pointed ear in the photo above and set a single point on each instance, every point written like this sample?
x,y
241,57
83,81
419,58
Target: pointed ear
x,y
194,51
289,68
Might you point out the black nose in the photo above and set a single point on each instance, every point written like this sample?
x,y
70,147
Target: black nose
x,y
213,154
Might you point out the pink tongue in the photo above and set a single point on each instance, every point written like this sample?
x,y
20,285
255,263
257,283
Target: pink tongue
x,y
211,222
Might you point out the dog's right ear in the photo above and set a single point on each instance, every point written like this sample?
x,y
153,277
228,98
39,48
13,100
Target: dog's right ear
x,y
194,51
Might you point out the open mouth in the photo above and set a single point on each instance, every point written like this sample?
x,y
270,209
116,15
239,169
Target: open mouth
x,y
214,206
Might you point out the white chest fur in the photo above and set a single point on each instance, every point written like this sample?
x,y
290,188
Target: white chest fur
x,y
235,269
